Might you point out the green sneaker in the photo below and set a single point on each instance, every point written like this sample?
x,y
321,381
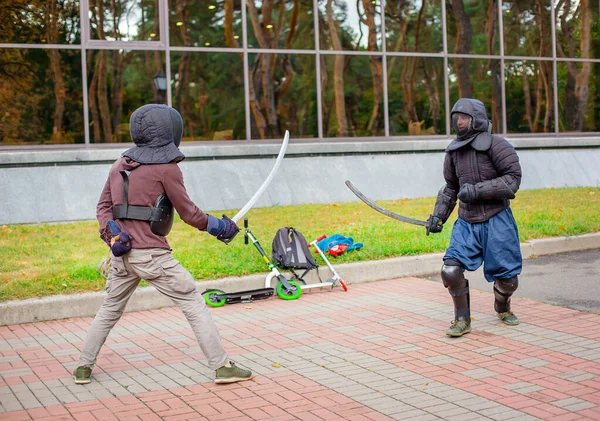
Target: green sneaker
x,y
458,328
232,374
82,375
509,318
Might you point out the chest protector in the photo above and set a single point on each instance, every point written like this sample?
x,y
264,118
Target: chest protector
x,y
160,216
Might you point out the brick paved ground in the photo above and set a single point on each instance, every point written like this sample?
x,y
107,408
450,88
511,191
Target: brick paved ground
x,y
375,352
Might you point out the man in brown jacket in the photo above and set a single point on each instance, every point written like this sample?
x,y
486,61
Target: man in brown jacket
x,y
142,188
482,170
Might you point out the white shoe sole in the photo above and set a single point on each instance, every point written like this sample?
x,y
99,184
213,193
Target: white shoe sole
x,y
232,380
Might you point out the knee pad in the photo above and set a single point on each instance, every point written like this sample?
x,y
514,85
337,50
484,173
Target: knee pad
x,y
507,286
453,275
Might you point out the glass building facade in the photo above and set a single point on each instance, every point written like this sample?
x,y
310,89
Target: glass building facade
x,y
72,72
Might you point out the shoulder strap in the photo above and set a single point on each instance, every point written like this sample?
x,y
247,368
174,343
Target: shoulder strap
x,y
124,211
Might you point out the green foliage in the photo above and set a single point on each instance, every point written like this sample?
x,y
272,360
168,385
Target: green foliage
x,y
48,259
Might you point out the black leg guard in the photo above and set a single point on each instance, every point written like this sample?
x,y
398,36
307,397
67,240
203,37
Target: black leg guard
x,y
458,287
503,290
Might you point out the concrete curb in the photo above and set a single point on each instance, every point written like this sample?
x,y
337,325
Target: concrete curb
x,y
87,304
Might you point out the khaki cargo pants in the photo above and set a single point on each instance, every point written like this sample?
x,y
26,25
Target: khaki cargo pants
x,y
159,268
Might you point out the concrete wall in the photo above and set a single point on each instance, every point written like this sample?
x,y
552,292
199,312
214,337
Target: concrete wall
x,y
57,184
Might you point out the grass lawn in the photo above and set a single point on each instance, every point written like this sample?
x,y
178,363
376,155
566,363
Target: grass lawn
x,y
48,259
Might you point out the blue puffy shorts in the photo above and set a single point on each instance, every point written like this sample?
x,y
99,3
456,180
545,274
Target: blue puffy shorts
x,y
495,243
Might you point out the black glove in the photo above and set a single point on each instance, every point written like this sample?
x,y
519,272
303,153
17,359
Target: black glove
x,y
224,229
467,193
435,224
120,241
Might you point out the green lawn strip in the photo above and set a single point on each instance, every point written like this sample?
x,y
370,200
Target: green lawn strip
x,y
48,259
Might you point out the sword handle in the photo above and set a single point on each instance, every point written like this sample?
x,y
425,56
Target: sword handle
x,y
246,229
114,229
427,226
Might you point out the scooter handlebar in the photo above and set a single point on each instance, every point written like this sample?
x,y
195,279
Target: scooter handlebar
x,y
321,237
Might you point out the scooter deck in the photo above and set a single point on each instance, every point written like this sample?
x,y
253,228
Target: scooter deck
x,y
248,296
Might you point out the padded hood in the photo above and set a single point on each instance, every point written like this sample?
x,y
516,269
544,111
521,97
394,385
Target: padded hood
x,y
156,130
481,128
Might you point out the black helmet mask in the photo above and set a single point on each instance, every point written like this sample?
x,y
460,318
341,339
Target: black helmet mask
x,y
156,130
470,122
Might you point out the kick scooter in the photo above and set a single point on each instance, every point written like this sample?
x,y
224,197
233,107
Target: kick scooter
x,y
286,289
336,277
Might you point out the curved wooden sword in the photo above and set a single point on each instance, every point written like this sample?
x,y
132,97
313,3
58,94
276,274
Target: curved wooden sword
x,y
385,211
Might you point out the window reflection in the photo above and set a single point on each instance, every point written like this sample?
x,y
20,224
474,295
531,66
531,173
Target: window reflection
x,y
529,85
285,24
575,35
40,22
352,91
205,23
282,95
414,26
416,100
527,28
472,27
208,91
578,96
118,83
350,25
480,79
124,20
40,97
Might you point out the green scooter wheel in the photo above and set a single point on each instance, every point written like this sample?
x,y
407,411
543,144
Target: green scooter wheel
x,y
289,294
214,297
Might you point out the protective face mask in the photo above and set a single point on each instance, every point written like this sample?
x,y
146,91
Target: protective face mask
x,y
462,123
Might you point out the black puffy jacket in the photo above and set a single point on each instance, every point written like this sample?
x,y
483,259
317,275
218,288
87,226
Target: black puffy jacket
x,y
488,162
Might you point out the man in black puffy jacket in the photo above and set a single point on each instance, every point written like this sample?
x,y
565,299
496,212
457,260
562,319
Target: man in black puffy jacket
x,y
482,170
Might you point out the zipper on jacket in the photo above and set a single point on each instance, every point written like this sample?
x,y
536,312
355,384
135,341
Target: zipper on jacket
x,y
480,205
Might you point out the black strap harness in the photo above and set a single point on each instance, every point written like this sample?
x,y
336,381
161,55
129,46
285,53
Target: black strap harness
x,y
160,216
140,213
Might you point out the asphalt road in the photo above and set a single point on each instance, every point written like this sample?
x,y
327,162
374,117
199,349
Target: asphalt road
x,y
566,279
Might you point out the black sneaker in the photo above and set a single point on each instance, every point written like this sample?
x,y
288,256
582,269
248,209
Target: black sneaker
x,y
82,375
232,374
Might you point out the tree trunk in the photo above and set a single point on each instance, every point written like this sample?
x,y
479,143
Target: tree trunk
x,y
268,91
408,94
325,109
338,75
103,96
494,66
464,36
92,103
288,68
548,88
376,66
539,89
433,94
228,26
259,119
56,71
101,89
527,98
117,88
583,76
